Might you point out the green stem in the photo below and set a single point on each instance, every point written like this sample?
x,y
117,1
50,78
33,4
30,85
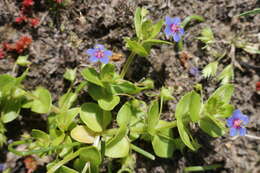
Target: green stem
x,y
86,167
127,64
143,152
161,106
26,153
201,168
68,158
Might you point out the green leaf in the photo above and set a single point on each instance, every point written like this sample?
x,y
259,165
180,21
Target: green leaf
x,y
43,139
41,101
190,18
10,116
136,47
7,82
95,118
226,75
251,48
254,11
70,74
207,35
125,87
163,146
91,75
57,140
97,92
147,84
195,106
146,29
156,28
118,150
153,117
22,61
210,69
155,41
166,93
124,115
109,102
189,105
186,136
212,126
108,72
10,110
66,100
223,93
82,134
138,22
105,99
183,109
217,105
90,154
65,119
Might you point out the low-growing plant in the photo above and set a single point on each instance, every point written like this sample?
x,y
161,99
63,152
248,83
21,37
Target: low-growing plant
x,y
81,136
231,44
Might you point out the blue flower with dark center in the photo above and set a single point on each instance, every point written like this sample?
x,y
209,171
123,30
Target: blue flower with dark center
x,y
237,123
99,53
173,28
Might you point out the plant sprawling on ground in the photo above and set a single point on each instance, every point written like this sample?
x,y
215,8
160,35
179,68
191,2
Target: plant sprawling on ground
x,y
81,136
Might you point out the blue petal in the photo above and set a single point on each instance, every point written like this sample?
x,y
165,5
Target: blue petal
x,y
181,32
167,31
245,119
99,46
177,20
104,60
93,59
237,114
168,20
233,131
108,53
230,122
90,52
242,131
176,37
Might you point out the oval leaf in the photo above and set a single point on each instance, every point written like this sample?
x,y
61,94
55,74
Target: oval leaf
x,y
95,118
82,134
119,150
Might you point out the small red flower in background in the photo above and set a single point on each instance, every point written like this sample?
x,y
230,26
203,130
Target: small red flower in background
x,y
19,46
25,12
34,21
257,86
2,54
20,19
30,164
28,3
58,1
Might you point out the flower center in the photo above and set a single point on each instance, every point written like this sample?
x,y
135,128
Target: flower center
x,y
99,54
175,28
237,123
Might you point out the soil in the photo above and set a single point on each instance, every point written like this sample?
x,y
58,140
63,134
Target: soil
x,y
63,36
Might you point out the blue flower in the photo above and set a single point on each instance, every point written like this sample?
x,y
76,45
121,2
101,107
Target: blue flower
x,y
99,53
173,28
194,71
237,122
